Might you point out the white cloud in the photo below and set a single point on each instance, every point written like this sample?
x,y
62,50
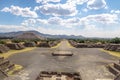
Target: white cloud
x,y
75,21
101,18
10,28
53,21
55,31
24,12
57,9
115,11
96,4
29,22
85,10
47,1
76,2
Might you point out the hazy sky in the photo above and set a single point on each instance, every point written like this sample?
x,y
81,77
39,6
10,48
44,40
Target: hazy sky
x,y
91,18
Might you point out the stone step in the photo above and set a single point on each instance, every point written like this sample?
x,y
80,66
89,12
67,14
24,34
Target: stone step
x,y
10,67
3,74
1,59
117,66
4,64
113,70
117,77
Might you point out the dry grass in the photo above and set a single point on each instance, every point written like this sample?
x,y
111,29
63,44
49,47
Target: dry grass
x,y
70,45
114,53
16,69
12,52
56,45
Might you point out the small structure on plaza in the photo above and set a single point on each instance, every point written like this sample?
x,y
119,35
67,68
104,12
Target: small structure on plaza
x,y
62,53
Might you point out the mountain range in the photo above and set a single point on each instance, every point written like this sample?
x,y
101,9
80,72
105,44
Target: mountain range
x,y
14,34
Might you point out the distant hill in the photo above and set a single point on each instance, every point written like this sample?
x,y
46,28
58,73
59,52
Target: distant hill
x,y
15,34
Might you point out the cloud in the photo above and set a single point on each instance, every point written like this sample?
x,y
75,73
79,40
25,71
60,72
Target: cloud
x,y
57,9
94,32
101,18
85,10
105,19
115,11
96,4
55,31
53,21
47,1
76,2
91,25
10,28
24,12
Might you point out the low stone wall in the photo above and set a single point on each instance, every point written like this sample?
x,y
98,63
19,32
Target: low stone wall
x,y
3,48
43,44
86,45
112,47
15,46
53,43
30,44
73,43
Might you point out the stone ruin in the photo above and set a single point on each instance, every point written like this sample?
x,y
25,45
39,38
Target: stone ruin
x,y
15,46
53,43
81,45
86,45
112,47
49,75
30,44
43,44
3,48
73,43
5,67
115,70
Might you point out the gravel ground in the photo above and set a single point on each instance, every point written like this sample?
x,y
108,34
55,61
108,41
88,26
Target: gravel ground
x,y
90,62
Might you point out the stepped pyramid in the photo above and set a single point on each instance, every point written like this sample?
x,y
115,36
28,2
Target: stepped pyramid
x,y
29,36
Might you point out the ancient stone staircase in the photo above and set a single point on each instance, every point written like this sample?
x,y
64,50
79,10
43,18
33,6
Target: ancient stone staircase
x,y
5,67
115,70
